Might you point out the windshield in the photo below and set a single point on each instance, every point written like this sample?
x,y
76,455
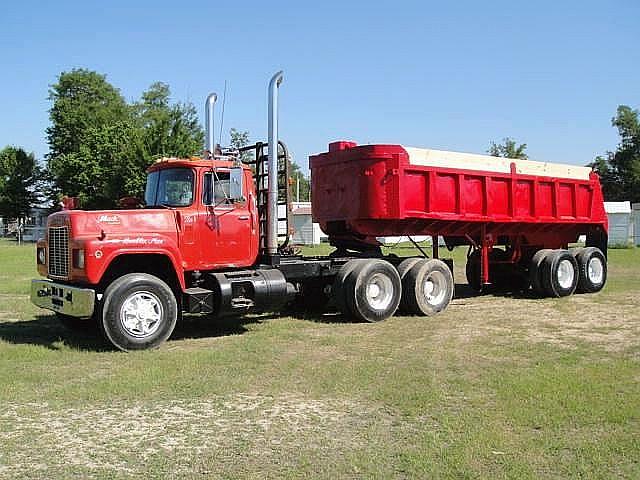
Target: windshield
x,y
171,187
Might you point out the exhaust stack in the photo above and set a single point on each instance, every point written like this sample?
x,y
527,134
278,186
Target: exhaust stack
x,y
272,186
210,143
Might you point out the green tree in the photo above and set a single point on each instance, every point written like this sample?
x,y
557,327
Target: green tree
x,y
168,130
238,140
100,146
508,149
109,164
82,99
620,170
296,175
19,182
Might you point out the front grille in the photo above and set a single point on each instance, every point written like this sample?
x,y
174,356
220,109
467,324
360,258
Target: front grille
x,y
59,252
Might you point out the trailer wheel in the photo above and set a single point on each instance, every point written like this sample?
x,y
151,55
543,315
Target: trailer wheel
x,y
559,273
338,294
427,288
373,290
403,268
500,275
535,273
472,270
592,270
406,265
140,312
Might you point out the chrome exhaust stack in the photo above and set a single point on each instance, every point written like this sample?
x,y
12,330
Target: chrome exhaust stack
x,y
210,143
272,186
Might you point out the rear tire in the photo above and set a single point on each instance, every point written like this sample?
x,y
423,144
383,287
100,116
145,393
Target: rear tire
x,y
407,264
140,312
559,274
427,288
592,270
472,271
403,268
373,291
535,274
338,294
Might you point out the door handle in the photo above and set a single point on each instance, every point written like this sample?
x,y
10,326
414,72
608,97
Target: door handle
x,y
243,217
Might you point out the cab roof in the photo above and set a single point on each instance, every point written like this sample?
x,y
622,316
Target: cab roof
x,y
172,162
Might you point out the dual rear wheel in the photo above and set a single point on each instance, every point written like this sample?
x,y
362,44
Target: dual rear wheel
x,y
372,289
559,273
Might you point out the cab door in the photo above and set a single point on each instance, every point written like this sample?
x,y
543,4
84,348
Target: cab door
x,y
225,227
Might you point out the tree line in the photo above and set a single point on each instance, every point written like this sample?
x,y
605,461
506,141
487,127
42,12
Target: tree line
x,y
100,146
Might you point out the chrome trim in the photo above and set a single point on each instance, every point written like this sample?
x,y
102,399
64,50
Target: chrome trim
x,y
272,190
210,141
72,301
58,251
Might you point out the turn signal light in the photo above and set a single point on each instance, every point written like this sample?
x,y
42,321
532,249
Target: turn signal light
x,y
42,256
78,258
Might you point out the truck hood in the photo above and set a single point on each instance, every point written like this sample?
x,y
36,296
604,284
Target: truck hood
x,y
117,224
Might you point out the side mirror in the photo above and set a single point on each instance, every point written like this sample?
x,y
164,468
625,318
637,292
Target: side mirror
x,y
236,176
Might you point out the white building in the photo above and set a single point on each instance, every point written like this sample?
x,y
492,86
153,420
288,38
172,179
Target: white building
x,y
620,224
635,220
304,231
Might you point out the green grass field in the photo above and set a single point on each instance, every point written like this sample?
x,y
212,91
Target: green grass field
x,y
495,387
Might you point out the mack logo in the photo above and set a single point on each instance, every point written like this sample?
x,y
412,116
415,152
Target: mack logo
x,y
110,219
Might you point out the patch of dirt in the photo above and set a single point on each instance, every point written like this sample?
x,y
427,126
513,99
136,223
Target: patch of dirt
x,y
610,321
122,438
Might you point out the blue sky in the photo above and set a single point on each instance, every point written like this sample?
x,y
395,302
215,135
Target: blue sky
x,y
449,75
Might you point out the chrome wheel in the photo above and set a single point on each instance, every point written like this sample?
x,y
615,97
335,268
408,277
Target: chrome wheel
x,y
379,291
565,274
141,314
435,288
595,270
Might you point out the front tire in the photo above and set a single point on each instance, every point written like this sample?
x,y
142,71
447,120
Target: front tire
x,y
140,312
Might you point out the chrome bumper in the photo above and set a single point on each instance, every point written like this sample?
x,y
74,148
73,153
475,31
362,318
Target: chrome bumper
x,y
72,301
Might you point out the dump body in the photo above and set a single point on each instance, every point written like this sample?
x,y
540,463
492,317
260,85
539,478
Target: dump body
x,y
368,191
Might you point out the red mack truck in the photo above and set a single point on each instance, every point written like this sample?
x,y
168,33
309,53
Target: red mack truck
x,y
208,242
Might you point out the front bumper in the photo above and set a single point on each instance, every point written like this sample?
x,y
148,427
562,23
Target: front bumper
x,y
72,301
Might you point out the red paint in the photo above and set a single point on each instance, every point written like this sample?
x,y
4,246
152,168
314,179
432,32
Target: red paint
x,y
197,237
373,191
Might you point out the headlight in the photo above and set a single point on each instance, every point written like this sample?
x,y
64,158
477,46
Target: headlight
x,y
78,258
41,256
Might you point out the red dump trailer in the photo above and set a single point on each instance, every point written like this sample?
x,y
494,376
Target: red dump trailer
x,y
208,240
369,191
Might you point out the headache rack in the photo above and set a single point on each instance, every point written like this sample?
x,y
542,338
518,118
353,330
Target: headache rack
x,y
256,156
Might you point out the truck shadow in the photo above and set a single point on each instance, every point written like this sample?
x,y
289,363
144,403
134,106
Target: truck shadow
x,y
47,331
198,326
